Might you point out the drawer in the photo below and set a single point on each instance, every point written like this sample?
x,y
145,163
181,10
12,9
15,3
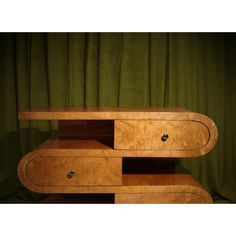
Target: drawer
x,y
74,171
160,135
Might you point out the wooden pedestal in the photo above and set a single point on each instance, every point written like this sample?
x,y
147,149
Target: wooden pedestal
x,y
93,146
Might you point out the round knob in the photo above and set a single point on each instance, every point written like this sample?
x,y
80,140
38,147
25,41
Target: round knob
x,y
71,174
164,137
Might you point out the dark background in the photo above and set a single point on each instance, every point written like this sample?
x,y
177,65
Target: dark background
x,y
195,71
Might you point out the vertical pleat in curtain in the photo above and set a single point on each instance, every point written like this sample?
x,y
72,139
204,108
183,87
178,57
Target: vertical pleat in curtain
x,y
190,70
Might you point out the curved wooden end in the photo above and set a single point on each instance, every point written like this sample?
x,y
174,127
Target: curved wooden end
x,y
166,194
22,172
213,132
190,135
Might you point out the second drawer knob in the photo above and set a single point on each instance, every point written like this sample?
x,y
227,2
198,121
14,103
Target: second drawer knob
x,y
164,137
71,174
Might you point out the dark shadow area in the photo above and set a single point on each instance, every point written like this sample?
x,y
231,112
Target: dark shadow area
x,y
79,198
13,147
100,130
150,165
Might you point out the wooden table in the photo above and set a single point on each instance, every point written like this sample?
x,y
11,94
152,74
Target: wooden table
x,y
94,144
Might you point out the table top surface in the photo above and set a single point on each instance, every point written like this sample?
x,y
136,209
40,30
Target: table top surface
x,y
70,113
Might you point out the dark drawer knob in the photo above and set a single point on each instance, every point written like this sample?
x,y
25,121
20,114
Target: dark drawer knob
x,y
164,137
71,174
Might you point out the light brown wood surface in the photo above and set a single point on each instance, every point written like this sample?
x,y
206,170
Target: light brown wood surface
x,y
147,135
135,188
136,131
93,141
161,197
47,174
95,113
56,145
91,148
54,171
170,188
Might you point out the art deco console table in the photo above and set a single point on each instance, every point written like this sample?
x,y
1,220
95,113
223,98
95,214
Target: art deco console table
x,y
88,154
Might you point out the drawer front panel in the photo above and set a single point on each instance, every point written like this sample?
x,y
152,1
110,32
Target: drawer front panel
x,y
160,135
74,171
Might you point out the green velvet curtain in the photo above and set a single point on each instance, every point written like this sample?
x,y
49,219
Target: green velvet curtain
x,y
190,70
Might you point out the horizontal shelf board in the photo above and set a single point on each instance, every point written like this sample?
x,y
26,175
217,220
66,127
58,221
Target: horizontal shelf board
x,y
105,113
73,144
94,148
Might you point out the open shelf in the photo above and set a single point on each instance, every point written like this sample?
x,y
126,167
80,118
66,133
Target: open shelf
x,y
99,130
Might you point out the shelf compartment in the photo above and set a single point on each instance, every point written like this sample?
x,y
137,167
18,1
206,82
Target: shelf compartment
x,y
100,130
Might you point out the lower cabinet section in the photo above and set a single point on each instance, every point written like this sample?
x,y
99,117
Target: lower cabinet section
x,y
103,175
129,198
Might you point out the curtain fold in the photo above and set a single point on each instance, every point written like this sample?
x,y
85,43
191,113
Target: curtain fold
x,y
195,71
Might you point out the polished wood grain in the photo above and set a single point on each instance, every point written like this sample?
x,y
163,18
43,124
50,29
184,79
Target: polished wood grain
x,y
162,197
93,141
135,188
147,135
93,113
173,188
55,171
56,145
192,134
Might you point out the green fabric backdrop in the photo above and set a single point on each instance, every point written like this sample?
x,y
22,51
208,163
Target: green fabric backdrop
x,y
191,70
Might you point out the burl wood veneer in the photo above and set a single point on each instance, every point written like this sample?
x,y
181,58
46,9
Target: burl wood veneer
x,y
87,156
72,171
